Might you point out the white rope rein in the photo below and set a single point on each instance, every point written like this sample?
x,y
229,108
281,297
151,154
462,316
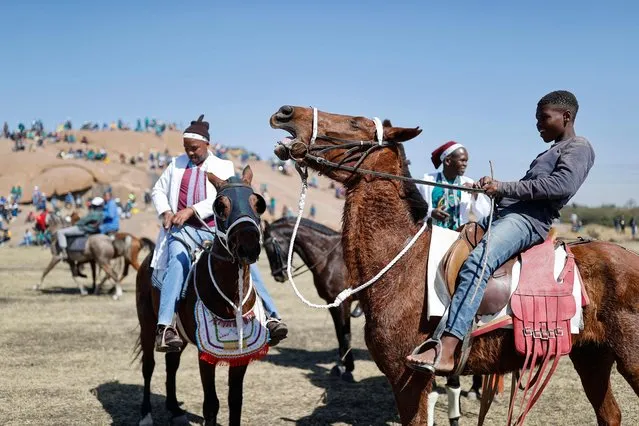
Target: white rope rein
x,y
346,293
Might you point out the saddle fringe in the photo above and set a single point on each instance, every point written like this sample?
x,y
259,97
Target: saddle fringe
x,y
236,361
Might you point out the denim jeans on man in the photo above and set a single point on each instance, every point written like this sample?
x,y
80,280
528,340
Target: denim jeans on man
x,y
509,235
178,270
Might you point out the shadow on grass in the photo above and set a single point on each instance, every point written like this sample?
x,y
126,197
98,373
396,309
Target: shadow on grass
x,y
369,401
123,401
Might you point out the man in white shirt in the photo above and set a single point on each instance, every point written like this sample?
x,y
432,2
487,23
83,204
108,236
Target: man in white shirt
x,y
183,198
451,208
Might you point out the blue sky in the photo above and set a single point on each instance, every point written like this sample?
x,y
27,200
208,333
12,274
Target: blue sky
x,y
467,71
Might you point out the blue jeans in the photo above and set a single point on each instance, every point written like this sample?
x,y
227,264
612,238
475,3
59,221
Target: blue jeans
x,y
178,270
509,235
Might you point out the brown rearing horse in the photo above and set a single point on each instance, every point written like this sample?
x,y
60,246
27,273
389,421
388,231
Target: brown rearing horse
x,y
100,251
381,215
243,243
320,249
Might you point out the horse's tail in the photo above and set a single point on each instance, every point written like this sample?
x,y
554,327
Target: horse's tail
x,y
147,317
128,241
148,243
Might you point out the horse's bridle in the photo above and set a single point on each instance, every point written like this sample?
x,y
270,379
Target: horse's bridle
x,y
354,152
240,213
280,267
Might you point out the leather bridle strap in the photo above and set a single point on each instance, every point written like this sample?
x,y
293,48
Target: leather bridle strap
x,y
353,152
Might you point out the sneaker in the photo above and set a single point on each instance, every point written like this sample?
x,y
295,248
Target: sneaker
x,y
167,339
277,331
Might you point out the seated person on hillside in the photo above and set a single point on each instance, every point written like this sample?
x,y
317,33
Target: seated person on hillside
x,y
89,224
111,219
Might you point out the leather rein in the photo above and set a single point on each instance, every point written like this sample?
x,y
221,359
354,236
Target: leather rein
x,y
296,271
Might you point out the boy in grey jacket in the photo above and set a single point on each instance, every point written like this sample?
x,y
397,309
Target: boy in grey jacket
x,y
525,211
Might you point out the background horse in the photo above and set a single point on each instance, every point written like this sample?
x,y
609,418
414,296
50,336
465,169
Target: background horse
x,y
243,243
320,248
100,250
385,213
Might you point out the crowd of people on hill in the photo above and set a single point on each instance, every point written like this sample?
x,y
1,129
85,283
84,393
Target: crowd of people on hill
x,y
152,125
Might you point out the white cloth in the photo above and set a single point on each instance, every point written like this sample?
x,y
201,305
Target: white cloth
x,y
480,206
166,193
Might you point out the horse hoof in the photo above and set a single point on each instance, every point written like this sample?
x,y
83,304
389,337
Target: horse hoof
x,y
338,370
347,376
36,287
115,297
146,420
454,422
181,420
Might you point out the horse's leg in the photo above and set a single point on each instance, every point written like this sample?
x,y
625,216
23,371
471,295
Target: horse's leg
x,y
211,404
54,261
411,396
348,358
236,386
342,322
178,416
96,290
147,343
593,364
83,290
111,274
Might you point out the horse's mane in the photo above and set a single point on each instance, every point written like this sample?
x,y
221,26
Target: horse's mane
x,y
307,223
418,206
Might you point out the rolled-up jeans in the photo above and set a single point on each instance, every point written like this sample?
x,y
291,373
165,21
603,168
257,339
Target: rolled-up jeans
x,y
178,270
509,235
71,231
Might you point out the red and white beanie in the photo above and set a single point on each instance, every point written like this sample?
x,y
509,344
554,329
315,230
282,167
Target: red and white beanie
x,y
198,130
438,156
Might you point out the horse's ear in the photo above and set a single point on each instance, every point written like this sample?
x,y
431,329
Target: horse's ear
x,y
215,181
400,134
247,175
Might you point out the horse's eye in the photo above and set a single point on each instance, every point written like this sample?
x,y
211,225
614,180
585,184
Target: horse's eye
x,y
222,207
260,204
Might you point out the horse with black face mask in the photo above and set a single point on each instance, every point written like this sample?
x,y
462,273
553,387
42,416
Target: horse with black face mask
x,y
221,279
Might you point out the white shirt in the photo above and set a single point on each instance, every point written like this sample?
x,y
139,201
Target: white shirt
x,y
166,193
479,206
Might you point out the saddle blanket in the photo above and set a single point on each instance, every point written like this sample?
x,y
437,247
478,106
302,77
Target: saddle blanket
x,y
218,338
77,243
442,239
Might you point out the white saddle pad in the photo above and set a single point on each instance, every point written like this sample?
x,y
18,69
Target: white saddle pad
x,y
218,338
440,242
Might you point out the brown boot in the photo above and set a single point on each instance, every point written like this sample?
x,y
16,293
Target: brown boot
x,y
167,339
277,331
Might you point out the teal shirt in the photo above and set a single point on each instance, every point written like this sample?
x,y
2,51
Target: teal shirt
x,y
450,198
91,222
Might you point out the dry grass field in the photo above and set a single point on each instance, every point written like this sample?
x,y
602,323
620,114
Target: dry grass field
x,y
67,360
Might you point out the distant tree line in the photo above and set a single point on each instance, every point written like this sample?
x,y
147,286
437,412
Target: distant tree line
x,y
602,215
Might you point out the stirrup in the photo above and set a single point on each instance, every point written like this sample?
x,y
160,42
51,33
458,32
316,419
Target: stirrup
x,y
163,346
427,345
